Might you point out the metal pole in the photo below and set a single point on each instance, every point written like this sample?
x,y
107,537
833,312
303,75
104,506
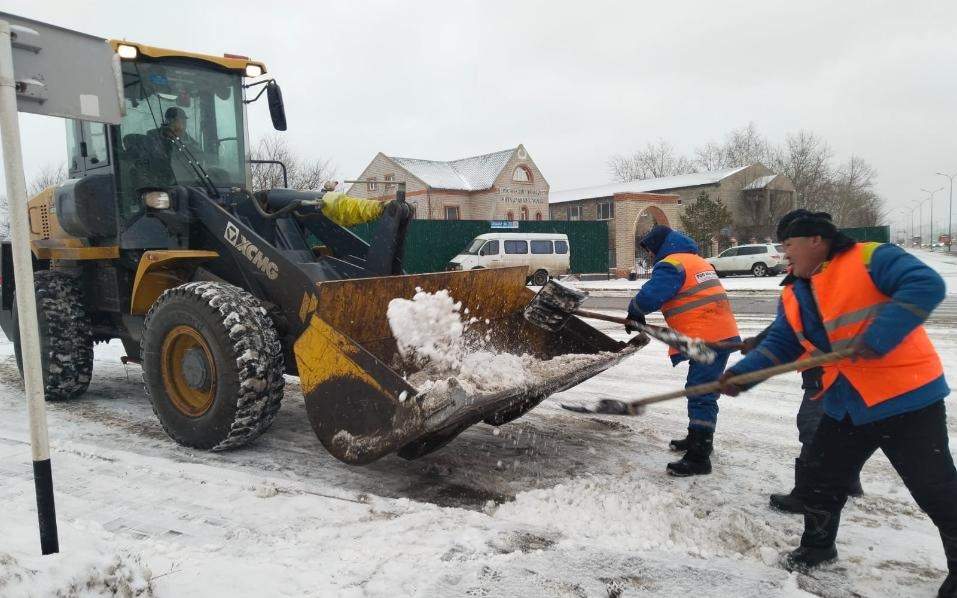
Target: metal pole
x,y
950,210
930,196
26,300
920,223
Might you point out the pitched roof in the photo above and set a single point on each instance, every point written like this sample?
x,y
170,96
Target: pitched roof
x,y
468,174
647,185
760,182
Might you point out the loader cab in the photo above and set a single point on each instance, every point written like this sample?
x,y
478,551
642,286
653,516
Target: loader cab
x,y
184,125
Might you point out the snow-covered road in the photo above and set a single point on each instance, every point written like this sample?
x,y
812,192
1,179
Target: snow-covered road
x,y
554,504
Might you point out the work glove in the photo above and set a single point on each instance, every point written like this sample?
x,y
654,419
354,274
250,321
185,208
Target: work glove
x,y
330,185
863,351
634,317
728,388
749,344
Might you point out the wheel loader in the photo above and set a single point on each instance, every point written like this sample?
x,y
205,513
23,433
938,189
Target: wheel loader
x,y
219,292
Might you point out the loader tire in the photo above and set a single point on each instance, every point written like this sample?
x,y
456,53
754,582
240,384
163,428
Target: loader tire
x,y
66,337
213,365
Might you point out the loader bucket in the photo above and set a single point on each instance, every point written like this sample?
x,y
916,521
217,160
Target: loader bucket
x,y
352,374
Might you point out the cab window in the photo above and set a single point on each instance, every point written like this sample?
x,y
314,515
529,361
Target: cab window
x,y
74,161
490,248
94,136
541,247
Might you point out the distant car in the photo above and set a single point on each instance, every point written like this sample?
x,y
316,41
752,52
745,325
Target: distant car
x,y
759,260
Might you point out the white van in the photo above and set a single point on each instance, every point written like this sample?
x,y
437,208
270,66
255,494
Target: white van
x,y
544,254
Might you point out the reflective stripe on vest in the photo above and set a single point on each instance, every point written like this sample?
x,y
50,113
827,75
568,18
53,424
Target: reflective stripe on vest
x,y
700,308
848,301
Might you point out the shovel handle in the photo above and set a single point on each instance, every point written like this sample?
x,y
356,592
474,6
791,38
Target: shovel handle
x,y
600,316
742,379
649,328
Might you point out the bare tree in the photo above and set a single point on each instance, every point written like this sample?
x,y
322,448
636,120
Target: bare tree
x,y
710,156
303,173
48,176
846,191
806,160
653,161
746,146
854,202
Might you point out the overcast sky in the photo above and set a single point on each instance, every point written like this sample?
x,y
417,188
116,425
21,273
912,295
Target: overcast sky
x,y
576,82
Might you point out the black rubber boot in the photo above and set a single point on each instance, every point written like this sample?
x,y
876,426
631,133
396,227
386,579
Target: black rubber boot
x,y
949,588
697,461
817,543
791,502
787,503
680,445
804,558
856,490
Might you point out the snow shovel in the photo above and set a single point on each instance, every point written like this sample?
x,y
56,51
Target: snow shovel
x,y
555,304
616,407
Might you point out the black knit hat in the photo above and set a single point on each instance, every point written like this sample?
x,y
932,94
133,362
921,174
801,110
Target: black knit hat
x,y
804,223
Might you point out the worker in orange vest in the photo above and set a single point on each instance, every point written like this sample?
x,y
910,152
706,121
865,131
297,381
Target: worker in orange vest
x,y
687,291
872,298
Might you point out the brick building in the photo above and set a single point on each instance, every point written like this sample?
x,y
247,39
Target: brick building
x,y
505,185
755,196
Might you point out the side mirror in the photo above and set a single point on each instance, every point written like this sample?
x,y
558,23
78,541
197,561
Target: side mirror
x,y
277,111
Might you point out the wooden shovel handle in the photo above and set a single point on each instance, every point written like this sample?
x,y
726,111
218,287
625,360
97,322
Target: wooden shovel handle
x,y
744,379
600,316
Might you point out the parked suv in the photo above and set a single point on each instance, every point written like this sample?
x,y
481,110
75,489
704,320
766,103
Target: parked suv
x,y
759,260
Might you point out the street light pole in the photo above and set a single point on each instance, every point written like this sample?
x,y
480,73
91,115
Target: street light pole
x,y
920,220
930,196
950,209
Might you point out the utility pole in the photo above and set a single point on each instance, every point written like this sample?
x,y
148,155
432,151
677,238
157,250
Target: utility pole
x,y
930,196
950,209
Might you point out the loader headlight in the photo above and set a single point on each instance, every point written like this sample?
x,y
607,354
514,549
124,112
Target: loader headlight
x,y
253,70
127,51
452,266
158,200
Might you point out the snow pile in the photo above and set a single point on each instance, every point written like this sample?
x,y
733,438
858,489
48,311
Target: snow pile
x,y
637,515
431,334
75,575
428,329
494,371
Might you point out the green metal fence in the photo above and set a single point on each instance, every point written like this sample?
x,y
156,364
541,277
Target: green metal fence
x,y
880,234
430,244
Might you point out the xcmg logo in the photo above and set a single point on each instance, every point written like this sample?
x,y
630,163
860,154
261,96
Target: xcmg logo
x,y
252,252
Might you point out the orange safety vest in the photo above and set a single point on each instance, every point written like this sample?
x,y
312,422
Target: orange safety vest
x,y
701,308
848,300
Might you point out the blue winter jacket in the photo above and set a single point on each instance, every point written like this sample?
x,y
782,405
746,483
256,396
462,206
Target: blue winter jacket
x,y
915,290
666,279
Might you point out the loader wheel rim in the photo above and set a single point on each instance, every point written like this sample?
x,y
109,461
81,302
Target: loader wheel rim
x,y
189,372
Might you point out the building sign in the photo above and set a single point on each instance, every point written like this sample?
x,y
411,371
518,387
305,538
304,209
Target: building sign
x,y
504,224
522,195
